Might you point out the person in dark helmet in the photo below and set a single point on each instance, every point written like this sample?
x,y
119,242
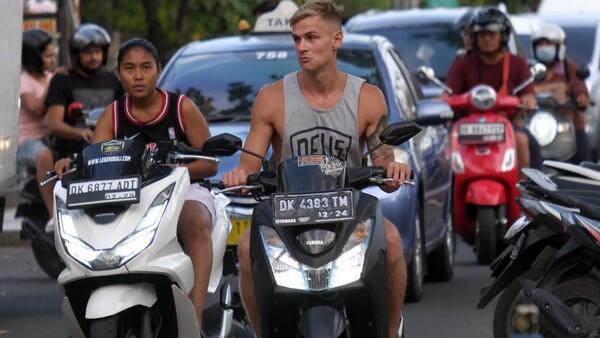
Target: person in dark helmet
x,y
72,96
37,62
464,26
490,63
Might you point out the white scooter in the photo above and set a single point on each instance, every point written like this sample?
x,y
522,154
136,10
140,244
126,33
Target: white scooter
x,y
126,273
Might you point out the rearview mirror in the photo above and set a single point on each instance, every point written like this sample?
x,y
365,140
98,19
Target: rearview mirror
x,y
425,73
222,145
582,73
433,112
538,71
397,133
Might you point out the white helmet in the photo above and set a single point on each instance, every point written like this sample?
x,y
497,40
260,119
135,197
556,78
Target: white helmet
x,y
553,33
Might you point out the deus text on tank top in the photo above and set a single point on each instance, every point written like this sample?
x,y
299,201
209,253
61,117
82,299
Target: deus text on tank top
x,y
308,131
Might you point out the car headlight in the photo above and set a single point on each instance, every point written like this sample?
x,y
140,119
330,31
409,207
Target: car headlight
x,y
122,252
543,127
483,97
346,269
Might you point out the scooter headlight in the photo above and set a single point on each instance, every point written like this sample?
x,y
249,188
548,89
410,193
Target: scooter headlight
x,y
346,269
543,127
122,252
483,97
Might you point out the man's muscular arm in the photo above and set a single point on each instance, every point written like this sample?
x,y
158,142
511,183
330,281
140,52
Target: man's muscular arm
x,y
373,108
259,136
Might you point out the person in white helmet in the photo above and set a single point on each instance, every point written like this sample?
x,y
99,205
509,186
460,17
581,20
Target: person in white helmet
x,y
549,48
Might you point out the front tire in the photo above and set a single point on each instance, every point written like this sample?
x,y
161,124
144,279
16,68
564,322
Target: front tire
x,y
505,308
582,295
415,271
137,322
47,258
486,237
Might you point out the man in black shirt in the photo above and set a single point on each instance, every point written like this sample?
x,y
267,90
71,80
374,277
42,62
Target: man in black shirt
x,y
73,96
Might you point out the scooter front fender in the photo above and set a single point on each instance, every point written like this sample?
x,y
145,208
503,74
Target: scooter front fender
x,y
486,192
112,299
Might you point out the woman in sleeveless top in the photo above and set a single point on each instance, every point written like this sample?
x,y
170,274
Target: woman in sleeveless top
x,y
150,114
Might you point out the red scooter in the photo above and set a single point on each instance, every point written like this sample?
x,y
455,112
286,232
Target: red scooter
x,y
484,162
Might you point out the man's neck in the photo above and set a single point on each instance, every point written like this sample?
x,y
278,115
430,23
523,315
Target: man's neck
x,y
492,58
84,73
322,81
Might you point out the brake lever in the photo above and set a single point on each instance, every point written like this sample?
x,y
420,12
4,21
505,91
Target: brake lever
x,y
240,187
381,181
55,177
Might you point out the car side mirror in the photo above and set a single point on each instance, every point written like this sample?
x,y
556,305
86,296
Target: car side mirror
x,y
433,112
222,145
582,73
397,133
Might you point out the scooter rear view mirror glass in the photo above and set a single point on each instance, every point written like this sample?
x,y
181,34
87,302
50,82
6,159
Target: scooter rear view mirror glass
x,y
425,73
538,71
222,145
398,133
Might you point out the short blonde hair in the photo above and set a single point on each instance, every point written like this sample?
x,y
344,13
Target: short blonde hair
x,y
326,9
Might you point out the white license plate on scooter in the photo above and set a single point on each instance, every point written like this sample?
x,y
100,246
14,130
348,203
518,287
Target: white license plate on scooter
x,y
313,208
481,132
85,193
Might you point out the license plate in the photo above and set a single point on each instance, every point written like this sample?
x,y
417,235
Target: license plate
x,y
481,132
323,207
124,190
238,227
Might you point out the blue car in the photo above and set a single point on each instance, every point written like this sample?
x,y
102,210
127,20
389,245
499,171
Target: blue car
x,y
222,76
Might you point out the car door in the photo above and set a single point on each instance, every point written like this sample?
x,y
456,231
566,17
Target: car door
x,y
431,147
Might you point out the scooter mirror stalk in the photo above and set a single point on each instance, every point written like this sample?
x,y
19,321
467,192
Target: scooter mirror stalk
x,y
427,73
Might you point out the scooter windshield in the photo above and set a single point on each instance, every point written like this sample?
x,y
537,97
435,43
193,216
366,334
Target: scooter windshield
x,y
312,173
112,159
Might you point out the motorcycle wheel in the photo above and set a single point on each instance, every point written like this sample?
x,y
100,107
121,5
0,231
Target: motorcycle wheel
x,y
47,258
416,267
582,295
486,237
132,323
510,298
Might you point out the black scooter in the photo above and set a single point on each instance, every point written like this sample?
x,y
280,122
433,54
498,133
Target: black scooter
x,y
318,247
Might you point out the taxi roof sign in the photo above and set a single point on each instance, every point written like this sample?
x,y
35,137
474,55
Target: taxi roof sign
x,y
277,20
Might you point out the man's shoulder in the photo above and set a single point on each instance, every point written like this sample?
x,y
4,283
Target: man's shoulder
x,y
518,60
273,88
369,91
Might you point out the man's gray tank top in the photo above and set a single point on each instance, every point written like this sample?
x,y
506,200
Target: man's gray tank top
x,y
308,131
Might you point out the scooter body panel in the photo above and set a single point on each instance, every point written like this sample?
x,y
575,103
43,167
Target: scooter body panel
x,y
489,173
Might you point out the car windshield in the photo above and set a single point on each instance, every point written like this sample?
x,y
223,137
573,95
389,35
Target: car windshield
x,y
526,42
580,43
433,45
224,85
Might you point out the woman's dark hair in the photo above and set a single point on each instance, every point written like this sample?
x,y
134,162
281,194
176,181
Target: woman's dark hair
x,y
141,43
35,42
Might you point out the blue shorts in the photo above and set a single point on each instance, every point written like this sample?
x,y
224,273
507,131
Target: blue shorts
x,y
27,152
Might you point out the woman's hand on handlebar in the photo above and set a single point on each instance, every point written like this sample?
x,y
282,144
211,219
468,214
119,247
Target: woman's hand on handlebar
x,y
61,166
